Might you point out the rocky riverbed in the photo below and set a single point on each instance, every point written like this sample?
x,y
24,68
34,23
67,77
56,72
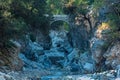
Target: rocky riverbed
x,y
58,75
63,62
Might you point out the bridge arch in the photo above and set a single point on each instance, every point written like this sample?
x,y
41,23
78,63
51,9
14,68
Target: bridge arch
x,y
59,20
60,24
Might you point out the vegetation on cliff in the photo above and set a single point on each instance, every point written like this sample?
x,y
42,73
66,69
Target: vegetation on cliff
x,y
17,19
21,17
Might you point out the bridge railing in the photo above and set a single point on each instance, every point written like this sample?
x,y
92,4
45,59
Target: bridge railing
x,y
58,17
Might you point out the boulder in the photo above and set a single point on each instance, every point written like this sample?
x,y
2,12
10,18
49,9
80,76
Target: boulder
x,y
112,55
9,57
29,64
4,76
87,63
60,41
55,57
73,55
33,51
74,67
88,67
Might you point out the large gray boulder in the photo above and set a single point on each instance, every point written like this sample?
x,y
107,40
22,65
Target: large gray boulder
x,y
80,62
60,41
87,63
29,64
33,51
55,57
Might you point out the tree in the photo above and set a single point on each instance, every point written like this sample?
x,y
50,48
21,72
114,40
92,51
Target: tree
x,y
33,13
9,25
18,18
21,17
55,6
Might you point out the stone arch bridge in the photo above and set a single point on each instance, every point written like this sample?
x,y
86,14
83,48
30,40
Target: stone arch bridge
x,y
64,18
55,18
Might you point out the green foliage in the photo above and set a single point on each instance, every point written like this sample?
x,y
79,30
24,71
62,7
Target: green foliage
x,y
20,17
77,6
105,46
67,6
112,14
114,21
31,11
115,36
55,6
97,4
9,25
58,25
66,26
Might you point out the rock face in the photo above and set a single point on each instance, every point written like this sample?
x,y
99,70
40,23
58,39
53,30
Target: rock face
x,y
98,41
55,57
97,44
78,36
61,55
70,57
10,59
60,41
88,64
33,50
96,50
65,58
113,56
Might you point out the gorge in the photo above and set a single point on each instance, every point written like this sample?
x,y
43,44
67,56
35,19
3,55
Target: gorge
x,y
79,44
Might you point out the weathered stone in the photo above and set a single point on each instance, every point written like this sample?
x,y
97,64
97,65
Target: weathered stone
x,y
4,76
33,50
29,64
54,56
98,41
73,55
74,67
96,49
113,55
87,63
89,67
9,58
60,41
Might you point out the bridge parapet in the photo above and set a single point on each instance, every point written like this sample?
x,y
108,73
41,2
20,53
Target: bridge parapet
x,y
55,18
64,18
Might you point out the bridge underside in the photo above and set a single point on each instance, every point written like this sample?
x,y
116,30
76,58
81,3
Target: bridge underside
x,y
59,20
